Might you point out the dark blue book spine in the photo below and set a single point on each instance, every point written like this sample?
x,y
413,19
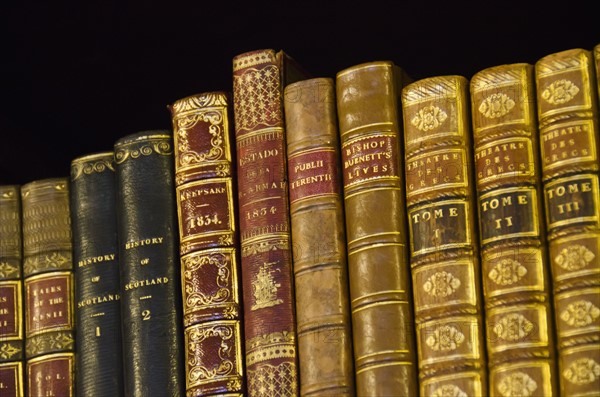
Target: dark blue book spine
x,y
149,256
96,262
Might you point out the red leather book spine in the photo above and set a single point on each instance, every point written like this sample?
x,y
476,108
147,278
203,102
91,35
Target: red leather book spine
x,y
267,279
206,210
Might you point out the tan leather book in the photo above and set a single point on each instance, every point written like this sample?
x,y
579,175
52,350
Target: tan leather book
x,y
259,78
368,105
12,334
567,109
207,218
49,289
515,268
318,240
442,216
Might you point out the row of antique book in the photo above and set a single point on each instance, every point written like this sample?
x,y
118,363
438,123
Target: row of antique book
x,y
371,236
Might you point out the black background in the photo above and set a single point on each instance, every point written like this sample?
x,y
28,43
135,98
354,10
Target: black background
x,y
76,77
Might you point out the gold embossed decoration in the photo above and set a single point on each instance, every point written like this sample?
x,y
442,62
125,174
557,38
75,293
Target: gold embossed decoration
x,y
449,391
199,102
496,105
7,270
513,327
429,118
257,98
8,350
560,92
200,373
222,291
517,384
583,371
264,246
441,284
90,167
445,338
574,257
187,156
40,344
273,380
55,260
161,147
264,288
580,314
507,272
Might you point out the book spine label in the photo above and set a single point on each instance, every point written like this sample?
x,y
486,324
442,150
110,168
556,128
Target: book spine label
x,y
570,139
318,236
11,379
48,287
383,331
150,278
269,317
206,206
443,237
515,267
97,285
51,375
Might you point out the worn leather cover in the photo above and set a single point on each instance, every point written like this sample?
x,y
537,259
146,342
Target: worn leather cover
x,y
48,288
567,108
149,260
515,268
269,316
12,334
442,217
368,106
318,239
99,361
207,214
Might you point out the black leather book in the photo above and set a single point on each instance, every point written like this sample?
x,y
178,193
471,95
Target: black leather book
x,y
97,294
148,251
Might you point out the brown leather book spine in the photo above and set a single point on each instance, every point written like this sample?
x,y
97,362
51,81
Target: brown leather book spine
x,y
443,237
318,240
567,108
515,269
267,279
12,335
49,292
368,106
206,210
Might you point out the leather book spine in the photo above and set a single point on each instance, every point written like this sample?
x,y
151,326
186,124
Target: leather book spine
x,y
266,261
149,265
370,125
515,268
12,335
48,288
318,239
567,110
99,361
442,218
207,213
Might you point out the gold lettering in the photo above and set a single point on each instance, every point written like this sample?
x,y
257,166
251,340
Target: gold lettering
x,y
141,243
143,283
261,155
560,190
98,299
96,259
